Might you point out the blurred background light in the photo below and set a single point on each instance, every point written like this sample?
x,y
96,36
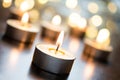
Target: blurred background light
x,y
112,7
96,20
71,3
93,7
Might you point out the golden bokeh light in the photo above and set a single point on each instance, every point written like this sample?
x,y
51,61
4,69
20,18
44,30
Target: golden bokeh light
x,y
82,23
17,3
75,20
24,5
112,7
71,3
6,3
96,20
103,35
42,1
93,7
56,20
91,32
103,38
35,17
111,25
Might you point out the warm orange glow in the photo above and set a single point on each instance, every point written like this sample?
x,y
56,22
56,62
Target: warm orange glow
x,y
112,7
56,20
13,58
25,18
103,37
6,3
89,70
82,23
17,3
35,17
93,34
73,18
60,38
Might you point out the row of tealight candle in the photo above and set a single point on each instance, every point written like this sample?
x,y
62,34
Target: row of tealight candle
x,y
53,58
21,30
100,48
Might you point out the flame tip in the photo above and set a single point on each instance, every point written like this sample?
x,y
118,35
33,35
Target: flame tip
x,y
60,38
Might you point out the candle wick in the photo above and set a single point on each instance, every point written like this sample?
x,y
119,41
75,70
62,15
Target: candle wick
x,y
57,48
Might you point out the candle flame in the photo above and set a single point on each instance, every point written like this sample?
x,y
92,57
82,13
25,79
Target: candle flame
x,y
25,18
56,20
96,20
60,38
103,36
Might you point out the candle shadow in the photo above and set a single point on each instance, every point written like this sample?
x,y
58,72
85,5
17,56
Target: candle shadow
x,y
42,74
16,43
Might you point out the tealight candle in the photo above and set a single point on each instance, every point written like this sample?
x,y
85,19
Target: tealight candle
x,y
18,11
77,25
100,48
52,58
15,13
21,30
50,31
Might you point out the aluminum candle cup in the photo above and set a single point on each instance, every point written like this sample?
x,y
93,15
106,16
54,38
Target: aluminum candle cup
x,y
50,32
46,58
15,13
21,33
91,51
76,32
77,25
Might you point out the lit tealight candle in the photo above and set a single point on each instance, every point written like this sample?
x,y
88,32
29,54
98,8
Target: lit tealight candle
x,y
77,25
19,10
21,30
103,38
53,58
51,30
100,48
